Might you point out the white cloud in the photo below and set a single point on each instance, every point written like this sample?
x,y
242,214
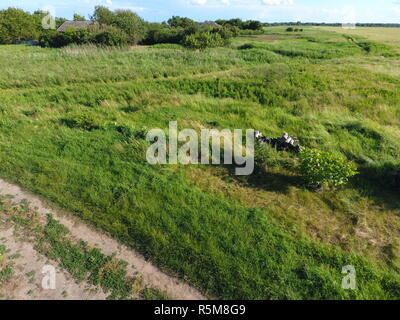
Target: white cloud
x,y
242,3
199,2
278,2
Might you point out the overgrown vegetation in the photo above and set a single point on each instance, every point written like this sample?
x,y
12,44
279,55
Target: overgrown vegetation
x,y
261,237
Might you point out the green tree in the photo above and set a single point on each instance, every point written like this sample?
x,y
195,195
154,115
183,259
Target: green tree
x,y
253,25
127,21
203,40
78,17
17,25
103,15
130,23
179,22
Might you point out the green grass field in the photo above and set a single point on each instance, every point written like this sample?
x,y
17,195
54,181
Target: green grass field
x,y
258,237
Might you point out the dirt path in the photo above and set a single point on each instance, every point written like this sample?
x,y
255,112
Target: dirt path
x,y
26,282
152,276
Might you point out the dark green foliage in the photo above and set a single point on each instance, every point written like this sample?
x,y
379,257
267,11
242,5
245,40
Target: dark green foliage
x,y
125,20
203,40
113,29
179,22
17,25
243,25
252,25
110,36
54,39
192,36
159,33
101,36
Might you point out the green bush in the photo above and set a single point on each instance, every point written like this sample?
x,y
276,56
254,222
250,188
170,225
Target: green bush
x,y
103,36
125,20
203,40
323,168
176,21
243,25
17,25
110,36
54,39
158,33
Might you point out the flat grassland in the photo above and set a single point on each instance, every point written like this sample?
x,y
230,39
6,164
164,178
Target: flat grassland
x,y
72,129
386,35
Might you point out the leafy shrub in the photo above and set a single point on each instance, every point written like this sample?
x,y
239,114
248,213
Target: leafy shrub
x,y
103,36
323,168
158,33
203,40
54,39
243,25
252,25
17,25
176,21
125,20
228,32
110,36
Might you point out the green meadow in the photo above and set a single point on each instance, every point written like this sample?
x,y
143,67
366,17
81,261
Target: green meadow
x,y
73,123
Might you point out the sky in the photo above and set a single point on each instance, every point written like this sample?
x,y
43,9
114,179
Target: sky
x,y
342,11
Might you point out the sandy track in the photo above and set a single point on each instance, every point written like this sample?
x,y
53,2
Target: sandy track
x,y
152,276
26,282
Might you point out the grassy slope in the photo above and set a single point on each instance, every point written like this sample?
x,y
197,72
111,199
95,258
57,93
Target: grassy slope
x,y
202,223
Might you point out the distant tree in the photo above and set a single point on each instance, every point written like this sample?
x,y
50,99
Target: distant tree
x,y
203,40
59,21
126,20
253,25
78,17
111,36
221,22
17,25
130,23
177,22
235,22
103,15
159,33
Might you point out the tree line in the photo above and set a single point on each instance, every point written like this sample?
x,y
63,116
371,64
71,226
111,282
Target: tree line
x,y
120,28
